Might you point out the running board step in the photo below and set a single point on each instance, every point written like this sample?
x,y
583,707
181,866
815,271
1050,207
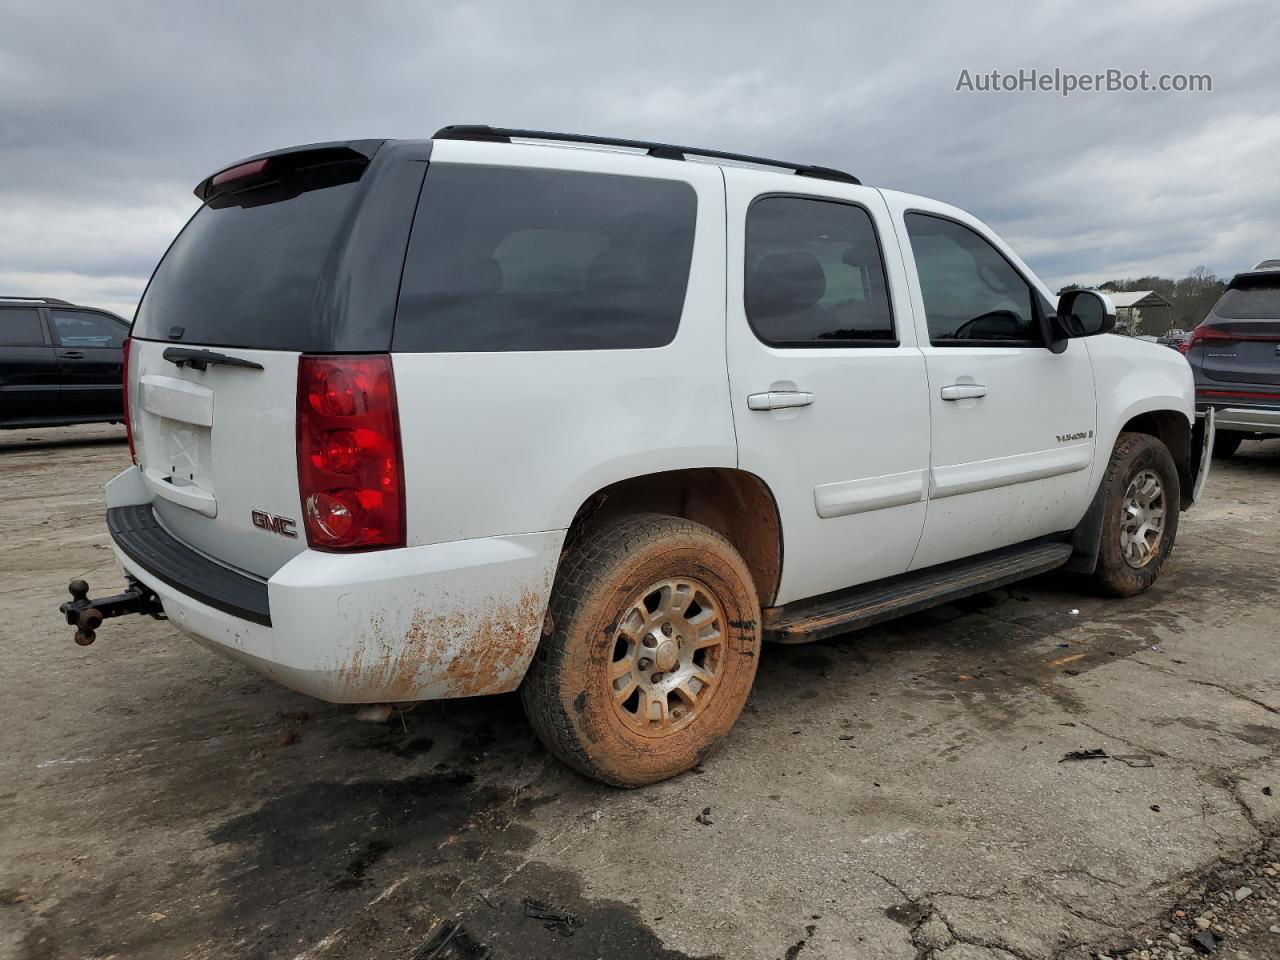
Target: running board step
x,y
872,603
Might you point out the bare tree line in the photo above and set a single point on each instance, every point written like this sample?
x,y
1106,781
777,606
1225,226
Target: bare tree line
x,y
1192,296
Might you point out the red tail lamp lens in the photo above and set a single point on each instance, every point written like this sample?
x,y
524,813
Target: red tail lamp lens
x,y
1238,394
1202,333
250,169
341,453
336,395
350,471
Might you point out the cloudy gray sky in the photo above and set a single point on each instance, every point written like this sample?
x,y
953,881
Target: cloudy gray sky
x,y
111,112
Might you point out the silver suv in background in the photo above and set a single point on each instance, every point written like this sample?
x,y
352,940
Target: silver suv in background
x,y
1235,355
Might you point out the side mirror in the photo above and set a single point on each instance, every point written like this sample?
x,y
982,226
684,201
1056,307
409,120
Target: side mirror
x,y
1086,313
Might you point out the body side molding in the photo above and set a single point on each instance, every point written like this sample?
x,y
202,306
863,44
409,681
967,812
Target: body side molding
x,y
1005,471
847,497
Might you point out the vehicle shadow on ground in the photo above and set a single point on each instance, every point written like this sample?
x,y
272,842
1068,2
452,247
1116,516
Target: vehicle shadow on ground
x,y
318,829
1257,454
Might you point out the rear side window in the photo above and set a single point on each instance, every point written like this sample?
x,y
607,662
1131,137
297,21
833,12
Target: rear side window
x,y
505,258
972,294
243,271
80,328
1255,301
21,328
814,274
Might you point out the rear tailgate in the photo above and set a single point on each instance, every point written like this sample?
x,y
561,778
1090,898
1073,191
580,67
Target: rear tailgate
x,y
1248,351
264,272
217,449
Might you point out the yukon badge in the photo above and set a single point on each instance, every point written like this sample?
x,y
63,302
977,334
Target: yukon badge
x,y
272,524
1068,437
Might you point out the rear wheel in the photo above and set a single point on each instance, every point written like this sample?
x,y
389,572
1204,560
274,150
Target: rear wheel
x,y
1141,515
1226,443
652,650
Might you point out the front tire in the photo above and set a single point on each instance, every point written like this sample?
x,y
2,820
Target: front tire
x,y
653,644
1140,520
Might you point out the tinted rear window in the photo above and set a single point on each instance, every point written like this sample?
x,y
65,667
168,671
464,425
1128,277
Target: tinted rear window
x,y
20,328
505,258
243,271
1253,302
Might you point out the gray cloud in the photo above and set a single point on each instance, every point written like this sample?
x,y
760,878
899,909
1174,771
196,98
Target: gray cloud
x,y
110,113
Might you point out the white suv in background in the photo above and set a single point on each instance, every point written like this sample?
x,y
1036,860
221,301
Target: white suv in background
x,y
592,418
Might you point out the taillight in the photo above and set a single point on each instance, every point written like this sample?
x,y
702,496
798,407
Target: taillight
x,y
1202,334
128,412
350,472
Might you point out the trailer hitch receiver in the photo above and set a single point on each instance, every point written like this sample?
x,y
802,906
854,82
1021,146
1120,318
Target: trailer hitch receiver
x,y
87,615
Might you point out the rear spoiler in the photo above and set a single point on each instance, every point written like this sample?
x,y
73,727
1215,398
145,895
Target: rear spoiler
x,y
1250,277
264,167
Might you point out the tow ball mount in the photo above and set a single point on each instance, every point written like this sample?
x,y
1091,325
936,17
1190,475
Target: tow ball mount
x,y
87,615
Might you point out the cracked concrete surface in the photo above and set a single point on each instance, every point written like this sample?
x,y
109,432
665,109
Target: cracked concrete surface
x,y
161,802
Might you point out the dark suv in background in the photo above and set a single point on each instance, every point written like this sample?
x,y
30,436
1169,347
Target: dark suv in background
x,y
59,363
1235,355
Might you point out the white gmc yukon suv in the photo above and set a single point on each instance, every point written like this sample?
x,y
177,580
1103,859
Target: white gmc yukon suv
x,y
592,418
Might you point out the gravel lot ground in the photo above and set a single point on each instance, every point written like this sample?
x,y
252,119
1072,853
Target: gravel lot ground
x,y
895,794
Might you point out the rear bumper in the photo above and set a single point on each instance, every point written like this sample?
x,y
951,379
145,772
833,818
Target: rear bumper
x,y
1252,419
137,534
445,620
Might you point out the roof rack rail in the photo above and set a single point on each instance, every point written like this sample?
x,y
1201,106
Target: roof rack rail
x,y
665,151
61,303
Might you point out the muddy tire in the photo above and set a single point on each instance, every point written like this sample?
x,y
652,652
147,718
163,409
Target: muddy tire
x,y
653,642
1226,443
1141,515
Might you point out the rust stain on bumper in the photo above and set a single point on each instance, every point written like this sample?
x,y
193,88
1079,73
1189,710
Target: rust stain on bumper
x,y
456,654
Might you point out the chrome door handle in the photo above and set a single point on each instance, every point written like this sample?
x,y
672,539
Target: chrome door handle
x,y
779,400
964,391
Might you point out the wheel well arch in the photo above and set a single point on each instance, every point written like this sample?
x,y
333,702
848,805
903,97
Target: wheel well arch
x,y
1172,429
736,504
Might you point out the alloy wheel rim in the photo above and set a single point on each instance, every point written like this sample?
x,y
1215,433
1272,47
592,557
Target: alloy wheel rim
x,y
1142,515
667,656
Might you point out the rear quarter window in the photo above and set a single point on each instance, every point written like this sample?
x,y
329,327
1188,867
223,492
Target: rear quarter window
x,y
21,328
505,258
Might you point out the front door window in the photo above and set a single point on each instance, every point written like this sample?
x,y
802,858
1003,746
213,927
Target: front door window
x,y
972,295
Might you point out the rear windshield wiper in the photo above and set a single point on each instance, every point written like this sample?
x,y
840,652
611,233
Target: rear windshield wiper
x,y
200,359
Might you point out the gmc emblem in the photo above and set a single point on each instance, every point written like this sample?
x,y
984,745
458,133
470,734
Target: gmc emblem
x,y
281,525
